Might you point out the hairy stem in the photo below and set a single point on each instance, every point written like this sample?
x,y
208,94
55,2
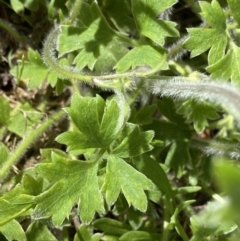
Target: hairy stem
x,y
26,143
75,11
216,92
13,32
231,150
66,72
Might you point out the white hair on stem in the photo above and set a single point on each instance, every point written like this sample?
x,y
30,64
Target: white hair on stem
x,y
225,94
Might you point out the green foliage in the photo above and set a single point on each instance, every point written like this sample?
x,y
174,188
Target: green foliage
x,y
136,163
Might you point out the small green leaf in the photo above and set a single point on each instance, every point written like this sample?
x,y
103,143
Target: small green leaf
x,y
202,39
227,67
144,55
144,115
13,204
111,226
211,37
91,38
32,186
98,123
189,189
198,113
234,7
177,136
213,13
39,232
4,153
122,176
135,218
13,231
17,5
136,143
214,220
109,57
32,5
148,23
140,236
72,181
5,111
84,233
227,175
120,13
167,108
18,124
154,172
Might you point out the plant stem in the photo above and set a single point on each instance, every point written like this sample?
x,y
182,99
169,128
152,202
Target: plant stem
x,y
13,32
67,72
167,208
75,11
26,143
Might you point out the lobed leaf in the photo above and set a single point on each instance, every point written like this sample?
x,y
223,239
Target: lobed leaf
x,y
98,123
13,231
120,176
72,181
227,67
92,35
136,143
146,15
144,55
37,231
198,113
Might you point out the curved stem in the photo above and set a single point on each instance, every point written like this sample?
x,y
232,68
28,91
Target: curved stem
x,y
65,72
26,143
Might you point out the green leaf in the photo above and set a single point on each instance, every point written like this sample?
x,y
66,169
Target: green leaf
x,y
13,231
111,226
213,14
212,37
13,204
98,123
110,56
143,55
153,170
32,5
135,218
5,111
72,181
140,236
4,153
39,232
146,15
34,70
198,113
202,39
32,186
214,220
144,115
120,176
17,5
168,109
234,7
177,137
227,176
18,124
85,234
120,13
136,143
91,38
227,67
